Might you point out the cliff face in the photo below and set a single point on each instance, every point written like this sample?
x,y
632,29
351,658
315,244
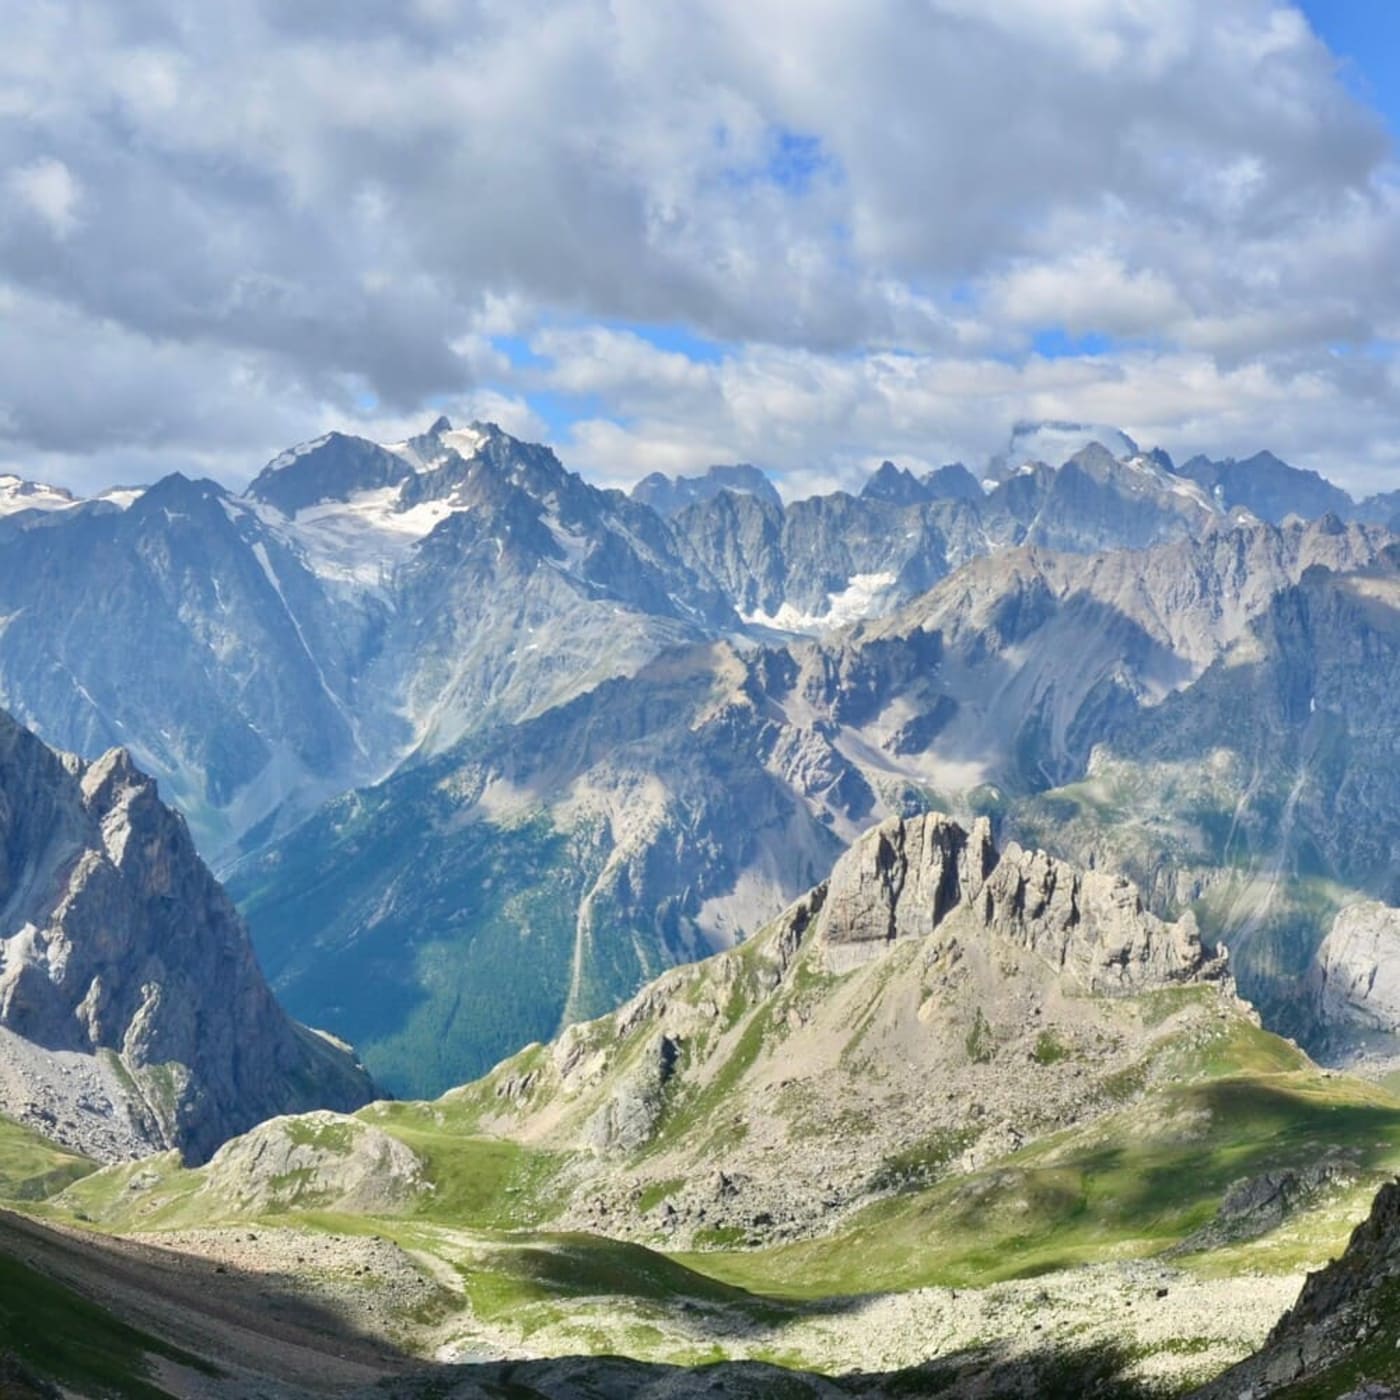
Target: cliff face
x,y
1341,1330
133,1014
904,878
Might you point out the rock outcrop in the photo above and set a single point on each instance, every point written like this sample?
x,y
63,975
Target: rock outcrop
x,y
1355,978
1343,1326
318,1161
903,879
133,1011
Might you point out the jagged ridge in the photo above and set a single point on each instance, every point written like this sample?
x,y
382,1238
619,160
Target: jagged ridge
x,y
132,1012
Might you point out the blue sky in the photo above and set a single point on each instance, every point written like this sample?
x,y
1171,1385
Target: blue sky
x,y
1366,35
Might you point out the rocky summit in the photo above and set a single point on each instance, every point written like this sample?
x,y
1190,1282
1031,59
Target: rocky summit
x,y
133,1015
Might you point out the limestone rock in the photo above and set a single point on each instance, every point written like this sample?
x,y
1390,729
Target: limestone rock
x,y
322,1161
140,1019
904,879
1355,977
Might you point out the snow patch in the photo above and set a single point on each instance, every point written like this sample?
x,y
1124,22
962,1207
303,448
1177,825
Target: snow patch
x,y
285,459
360,541
123,497
17,494
465,442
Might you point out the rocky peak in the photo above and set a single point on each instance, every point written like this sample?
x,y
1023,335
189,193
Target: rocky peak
x,y
902,879
666,494
335,467
132,1012
908,876
898,485
952,482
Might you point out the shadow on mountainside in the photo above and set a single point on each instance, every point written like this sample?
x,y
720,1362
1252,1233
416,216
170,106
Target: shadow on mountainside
x,y
116,1317
1091,1373
112,1316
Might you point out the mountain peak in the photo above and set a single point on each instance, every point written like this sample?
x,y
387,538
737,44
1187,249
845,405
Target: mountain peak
x,y
17,494
132,1011
441,424
897,485
668,494
1055,442
329,468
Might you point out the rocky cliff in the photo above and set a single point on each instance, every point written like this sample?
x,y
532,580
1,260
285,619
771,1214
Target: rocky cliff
x,y
1339,1340
133,1014
1355,978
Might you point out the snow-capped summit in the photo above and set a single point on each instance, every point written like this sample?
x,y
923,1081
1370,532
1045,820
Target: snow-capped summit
x,y
17,494
430,450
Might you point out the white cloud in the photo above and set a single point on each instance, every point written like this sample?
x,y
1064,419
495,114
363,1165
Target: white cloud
x,y
300,209
821,421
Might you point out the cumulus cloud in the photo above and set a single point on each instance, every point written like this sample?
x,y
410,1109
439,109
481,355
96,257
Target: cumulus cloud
x,y
821,422
231,224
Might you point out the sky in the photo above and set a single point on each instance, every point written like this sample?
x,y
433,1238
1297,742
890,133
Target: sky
x,y
662,236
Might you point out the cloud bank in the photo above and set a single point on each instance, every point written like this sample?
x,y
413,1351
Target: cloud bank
x,y
668,235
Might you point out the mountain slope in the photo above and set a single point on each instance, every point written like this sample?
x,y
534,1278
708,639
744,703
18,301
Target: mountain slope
x,y
133,1016
956,1100
928,957
827,561
663,814
264,652
1270,489
1274,767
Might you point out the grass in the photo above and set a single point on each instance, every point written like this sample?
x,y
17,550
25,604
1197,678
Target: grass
x,y
476,1182
550,1268
1129,1186
1050,1049
32,1168
75,1343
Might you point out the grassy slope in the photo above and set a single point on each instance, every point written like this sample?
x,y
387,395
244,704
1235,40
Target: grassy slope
x,y
32,1168
75,1343
1132,1184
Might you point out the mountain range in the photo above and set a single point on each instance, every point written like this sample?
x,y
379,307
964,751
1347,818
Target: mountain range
x,y
901,899
432,702
361,605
